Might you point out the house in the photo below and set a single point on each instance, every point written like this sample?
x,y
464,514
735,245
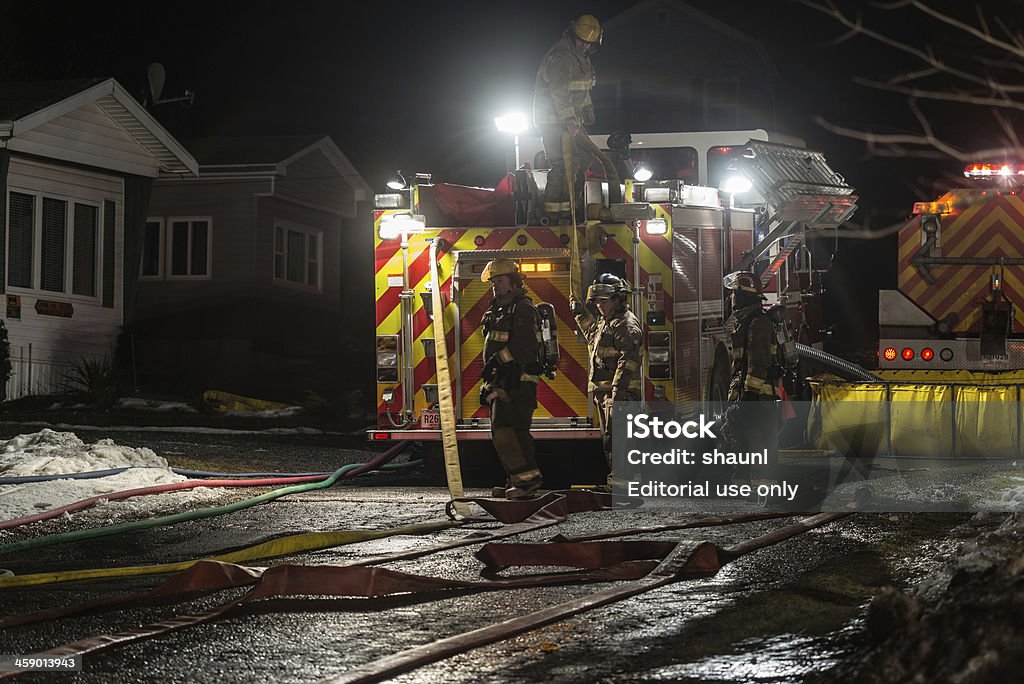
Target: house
x,y
666,66
77,160
241,271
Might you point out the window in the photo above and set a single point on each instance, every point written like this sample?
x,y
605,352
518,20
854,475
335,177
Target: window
x,y
297,255
189,248
84,250
152,254
65,236
21,239
177,248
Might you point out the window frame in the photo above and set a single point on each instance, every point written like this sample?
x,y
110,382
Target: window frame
x,y
168,238
36,288
307,231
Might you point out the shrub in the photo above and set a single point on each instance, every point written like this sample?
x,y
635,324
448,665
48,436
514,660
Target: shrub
x,y
99,380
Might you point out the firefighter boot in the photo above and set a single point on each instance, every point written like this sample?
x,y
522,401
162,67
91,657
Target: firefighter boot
x,y
524,475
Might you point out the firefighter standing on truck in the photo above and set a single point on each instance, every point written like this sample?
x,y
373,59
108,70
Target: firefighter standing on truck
x,y
510,375
753,419
614,343
561,103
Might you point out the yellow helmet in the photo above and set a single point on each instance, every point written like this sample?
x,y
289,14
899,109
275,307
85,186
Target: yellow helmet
x,y
587,28
499,267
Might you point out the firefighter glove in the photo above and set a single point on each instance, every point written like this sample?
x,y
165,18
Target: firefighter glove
x,y
575,306
490,371
588,116
485,394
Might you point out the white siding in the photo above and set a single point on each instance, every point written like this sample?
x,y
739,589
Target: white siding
x,y
50,342
87,136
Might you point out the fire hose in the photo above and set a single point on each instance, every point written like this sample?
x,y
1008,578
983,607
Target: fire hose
x,y
835,363
347,471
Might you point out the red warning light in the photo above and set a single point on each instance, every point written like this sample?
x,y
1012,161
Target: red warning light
x,y
908,354
927,354
381,436
889,354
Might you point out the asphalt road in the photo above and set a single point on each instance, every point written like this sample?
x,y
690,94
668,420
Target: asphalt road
x,y
777,615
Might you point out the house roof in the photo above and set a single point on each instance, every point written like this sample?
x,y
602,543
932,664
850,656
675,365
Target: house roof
x,y
28,105
272,154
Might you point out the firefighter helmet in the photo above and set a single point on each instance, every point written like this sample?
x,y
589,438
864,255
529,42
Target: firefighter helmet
x,y
608,285
588,29
743,281
499,267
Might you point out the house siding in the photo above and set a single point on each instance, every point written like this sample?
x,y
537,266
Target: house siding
x,y
312,180
43,346
87,136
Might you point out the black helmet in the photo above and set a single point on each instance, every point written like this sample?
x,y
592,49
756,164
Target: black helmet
x,y
608,285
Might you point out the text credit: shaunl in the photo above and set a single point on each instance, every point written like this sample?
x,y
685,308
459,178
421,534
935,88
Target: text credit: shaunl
x,y
684,461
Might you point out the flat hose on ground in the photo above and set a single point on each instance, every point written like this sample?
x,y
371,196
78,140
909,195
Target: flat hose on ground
x,y
347,471
837,364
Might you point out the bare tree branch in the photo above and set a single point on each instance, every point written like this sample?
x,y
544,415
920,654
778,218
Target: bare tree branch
x,y
963,98
830,9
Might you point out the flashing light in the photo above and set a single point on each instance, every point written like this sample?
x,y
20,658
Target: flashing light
x,y
927,354
908,354
889,353
997,282
940,208
379,436
543,267
736,185
988,170
656,226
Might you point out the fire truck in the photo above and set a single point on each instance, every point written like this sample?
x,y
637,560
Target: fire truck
x,y
961,279
673,239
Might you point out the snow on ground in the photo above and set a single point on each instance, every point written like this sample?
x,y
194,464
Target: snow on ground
x,y
49,453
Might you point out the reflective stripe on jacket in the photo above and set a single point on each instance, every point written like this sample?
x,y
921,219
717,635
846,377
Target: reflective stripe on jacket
x,y
614,343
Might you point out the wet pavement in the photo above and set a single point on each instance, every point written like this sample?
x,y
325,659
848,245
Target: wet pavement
x,y
780,614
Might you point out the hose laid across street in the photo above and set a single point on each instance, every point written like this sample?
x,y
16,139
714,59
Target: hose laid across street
x,y
93,474
347,471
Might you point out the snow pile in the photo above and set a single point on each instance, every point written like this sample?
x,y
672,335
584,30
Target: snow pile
x,y
48,453
155,405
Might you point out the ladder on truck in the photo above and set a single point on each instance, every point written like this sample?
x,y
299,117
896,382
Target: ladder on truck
x,y
801,192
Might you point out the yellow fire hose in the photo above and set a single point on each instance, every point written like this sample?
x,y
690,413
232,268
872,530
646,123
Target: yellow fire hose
x,y
446,407
575,273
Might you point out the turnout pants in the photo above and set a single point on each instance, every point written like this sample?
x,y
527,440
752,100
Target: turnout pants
x,y
510,432
603,404
584,153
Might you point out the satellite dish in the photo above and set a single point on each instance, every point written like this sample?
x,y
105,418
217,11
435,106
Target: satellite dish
x,y
157,76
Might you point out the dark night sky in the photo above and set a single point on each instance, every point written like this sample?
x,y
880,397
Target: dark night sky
x,y
410,85
416,85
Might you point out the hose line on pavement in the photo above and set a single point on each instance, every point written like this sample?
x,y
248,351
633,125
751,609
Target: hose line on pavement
x,y
347,471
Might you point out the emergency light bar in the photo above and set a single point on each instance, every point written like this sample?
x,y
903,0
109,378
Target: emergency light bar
x,y
940,208
989,170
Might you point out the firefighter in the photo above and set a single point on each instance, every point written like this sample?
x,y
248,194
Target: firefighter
x,y
562,105
752,419
511,366
614,343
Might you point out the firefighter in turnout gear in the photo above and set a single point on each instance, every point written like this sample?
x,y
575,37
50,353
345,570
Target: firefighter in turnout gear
x,y
614,343
752,419
562,106
510,375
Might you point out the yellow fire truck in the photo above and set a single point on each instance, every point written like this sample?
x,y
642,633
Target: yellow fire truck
x,y
671,240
